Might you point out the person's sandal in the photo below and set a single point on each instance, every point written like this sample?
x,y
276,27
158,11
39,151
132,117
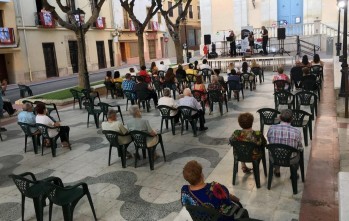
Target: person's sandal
x,y
246,169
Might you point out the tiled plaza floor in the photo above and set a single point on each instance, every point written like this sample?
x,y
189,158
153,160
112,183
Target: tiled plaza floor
x,y
139,193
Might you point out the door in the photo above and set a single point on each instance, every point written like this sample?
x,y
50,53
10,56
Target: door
x,y
111,52
123,51
152,49
101,54
3,69
291,11
74,59
50,59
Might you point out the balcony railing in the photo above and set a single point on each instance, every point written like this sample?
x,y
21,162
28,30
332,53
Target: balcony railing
x,y
44,20
7,36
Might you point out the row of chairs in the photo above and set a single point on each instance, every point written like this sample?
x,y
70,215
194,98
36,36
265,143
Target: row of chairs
x,y
52,188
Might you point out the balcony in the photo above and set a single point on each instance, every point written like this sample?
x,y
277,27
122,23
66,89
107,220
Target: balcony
x,y
100,23
7,37
44,20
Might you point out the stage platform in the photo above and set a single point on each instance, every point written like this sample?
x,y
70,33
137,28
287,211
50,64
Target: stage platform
x,y
265,61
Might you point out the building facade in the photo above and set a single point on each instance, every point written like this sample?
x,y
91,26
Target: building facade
x,y
10,51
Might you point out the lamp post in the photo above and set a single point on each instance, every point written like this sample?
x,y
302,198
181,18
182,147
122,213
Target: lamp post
x,y
184,20
80,17
339,44
344,83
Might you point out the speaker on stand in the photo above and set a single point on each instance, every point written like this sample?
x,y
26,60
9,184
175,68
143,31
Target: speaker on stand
x,y
281,35
207,39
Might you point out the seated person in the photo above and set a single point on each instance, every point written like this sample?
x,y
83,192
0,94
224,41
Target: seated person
x,y
220,78
170,80
214,85
42,118
200,86
254,64
281,76
143,73
114,125
153,69
190,70
108,77
129,85
162,66
27,116
199,193
233,76
316,60
248,135
144,88
205,65
137,123
190,101
308,80
117,78
132,72
305,61
169,101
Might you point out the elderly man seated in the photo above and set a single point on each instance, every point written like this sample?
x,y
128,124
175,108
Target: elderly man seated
x,y
169,101
114,125
27,116
190,101
285,133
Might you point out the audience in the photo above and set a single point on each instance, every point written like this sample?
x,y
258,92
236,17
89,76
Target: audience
x,y
113,124
132,72
42,118
162,66
204,65
284,133
316,60
153,69
200,86
117,78
27,116
305,61
144,88
170,79
199,193
143,73
169,101
190,70
108,77
247,134
190,101
281,76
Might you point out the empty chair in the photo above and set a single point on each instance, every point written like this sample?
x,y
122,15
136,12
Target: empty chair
x,y
318,71
142,97
105,107
303,119
24,90
243,151
130,96
33,189
27,129
281,155
140,141
191,79
284,98
94,112
118,90
258,71
112,137
158,87
307,98
67,197
206,74
237,87
248,80
77,95
166,116
91,95
268,116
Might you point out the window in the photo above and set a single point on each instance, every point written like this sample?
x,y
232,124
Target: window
x,y
191,11
159,17
191,37
133,49
180,9
126,20
170,12
1,21
199,12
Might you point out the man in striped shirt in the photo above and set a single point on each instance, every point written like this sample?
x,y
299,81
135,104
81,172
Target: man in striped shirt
x,y
284,133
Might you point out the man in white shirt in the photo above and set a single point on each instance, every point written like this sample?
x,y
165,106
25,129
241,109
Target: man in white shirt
x,y
190,101
204,65
169,101
162,67
114,125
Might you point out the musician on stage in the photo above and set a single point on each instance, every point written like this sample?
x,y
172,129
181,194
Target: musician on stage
x,y
232,44
251,42
264,33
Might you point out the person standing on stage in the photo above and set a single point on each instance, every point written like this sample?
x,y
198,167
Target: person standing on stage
x,y
251,42
264,33
232,44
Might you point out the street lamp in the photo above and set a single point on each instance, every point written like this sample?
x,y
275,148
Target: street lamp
x,y
80,18
344,81
340,6
184,20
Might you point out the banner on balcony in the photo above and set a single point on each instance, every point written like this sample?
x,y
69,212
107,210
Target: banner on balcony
x,y
100,23
132,26
155,26
5,36
47,19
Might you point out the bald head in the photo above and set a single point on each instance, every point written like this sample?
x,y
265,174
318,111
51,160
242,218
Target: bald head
x,y
187,92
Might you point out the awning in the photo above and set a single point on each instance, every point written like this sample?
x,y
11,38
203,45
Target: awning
x,y
5,1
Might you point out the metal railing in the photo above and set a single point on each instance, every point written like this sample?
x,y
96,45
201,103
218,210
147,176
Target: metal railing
x,y
304,47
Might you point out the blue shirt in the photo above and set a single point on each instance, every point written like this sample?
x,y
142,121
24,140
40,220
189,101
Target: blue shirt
x,y
128,85
28,118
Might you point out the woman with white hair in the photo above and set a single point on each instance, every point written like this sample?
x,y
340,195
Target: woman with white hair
x,y
137,123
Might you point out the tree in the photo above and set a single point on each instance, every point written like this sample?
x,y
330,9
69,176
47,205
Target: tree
x,y
174,28
80,31
139,26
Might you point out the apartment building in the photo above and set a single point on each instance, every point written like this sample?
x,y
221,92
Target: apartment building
x,y
48,50
10,52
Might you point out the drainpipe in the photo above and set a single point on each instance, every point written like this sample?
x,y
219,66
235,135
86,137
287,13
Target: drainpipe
x,y
26,43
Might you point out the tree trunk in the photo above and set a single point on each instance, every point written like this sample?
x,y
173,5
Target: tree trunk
x,y
179,51
141,49
81,59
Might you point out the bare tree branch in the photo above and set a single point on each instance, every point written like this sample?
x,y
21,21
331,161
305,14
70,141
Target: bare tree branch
x,y
94,16
55,15
64,9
